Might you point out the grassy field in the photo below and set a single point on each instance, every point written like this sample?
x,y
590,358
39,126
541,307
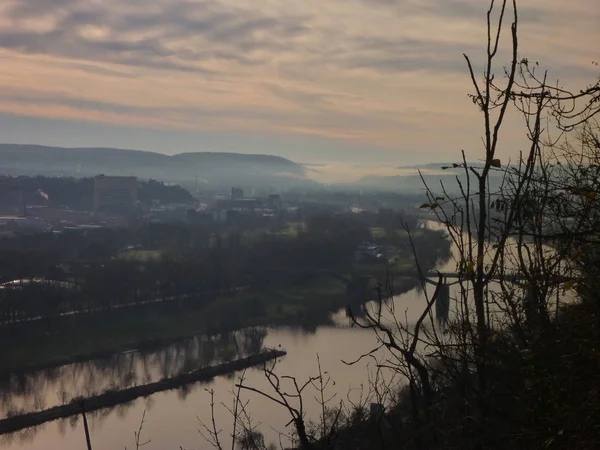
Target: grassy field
x,y
322,292
140,255
290,230
377,232
404,265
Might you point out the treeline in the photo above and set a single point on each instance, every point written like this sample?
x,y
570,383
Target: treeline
x,y
192,264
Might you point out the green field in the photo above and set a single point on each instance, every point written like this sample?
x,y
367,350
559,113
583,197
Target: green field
x,y
289,230
140,255
377,232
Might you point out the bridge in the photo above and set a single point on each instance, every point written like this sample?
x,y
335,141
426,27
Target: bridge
x,y
442,303
510,277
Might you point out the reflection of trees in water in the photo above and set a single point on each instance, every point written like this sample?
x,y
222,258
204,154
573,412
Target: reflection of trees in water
x,y
34,391
21,437
95,418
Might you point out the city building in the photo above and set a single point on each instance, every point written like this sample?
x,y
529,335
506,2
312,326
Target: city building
x,y
24,224
368,253
169,214
200,216
275,202
242,204
226,216
114,194
237,193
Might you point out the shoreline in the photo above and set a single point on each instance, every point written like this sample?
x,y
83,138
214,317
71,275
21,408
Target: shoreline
x,y
112,398
74,339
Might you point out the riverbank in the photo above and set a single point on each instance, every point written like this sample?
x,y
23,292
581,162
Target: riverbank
x,y
113,398
305,303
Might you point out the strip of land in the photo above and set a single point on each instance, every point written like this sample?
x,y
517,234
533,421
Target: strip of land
x,y
112,398
305,301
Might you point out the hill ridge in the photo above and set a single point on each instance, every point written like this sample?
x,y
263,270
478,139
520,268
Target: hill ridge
x,y
218,168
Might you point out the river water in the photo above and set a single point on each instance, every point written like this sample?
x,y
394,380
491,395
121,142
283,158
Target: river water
x,y
172,418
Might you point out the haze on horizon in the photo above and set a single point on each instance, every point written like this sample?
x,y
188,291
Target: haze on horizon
x,y
361,86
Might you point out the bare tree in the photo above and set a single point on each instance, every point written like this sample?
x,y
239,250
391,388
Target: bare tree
x,y
519,246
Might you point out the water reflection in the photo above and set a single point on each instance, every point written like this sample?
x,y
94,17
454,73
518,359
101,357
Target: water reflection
x,y
173,422
34,391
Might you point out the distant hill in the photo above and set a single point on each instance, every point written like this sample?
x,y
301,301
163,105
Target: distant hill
x,y
215,169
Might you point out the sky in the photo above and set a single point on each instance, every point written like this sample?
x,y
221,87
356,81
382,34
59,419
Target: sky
x,y
352,86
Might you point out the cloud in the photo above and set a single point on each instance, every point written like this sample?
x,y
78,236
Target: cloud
x,y
171,36
375,72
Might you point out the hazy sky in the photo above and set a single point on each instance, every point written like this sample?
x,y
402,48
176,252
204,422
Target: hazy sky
x,y
362,82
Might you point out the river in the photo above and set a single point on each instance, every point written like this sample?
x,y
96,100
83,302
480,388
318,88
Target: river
x,y
172,418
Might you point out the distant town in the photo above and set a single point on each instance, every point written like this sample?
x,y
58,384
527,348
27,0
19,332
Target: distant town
x,y
114,201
